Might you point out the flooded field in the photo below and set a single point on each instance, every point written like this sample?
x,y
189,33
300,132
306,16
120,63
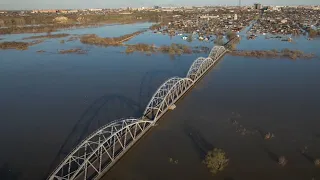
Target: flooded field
x,y
50,101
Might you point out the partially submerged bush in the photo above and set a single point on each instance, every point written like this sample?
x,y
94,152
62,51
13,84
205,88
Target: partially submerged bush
x,y
73,51
155,27
268,136
216,160
282,160
313,33
148,49
14,45
231,35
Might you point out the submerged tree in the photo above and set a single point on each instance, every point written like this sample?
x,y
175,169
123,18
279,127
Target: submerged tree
x,y
216,160
231,35
282,160
189,39
313,33
317,162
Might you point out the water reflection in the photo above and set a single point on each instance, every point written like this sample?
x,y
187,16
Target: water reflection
x,y
116,106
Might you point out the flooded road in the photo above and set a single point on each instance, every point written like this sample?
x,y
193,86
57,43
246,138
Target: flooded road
x,y
49,102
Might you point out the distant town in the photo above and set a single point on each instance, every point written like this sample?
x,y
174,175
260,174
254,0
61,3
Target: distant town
x,y
287,19
280,22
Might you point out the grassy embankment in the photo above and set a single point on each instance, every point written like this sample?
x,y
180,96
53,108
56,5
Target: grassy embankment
x,y
93,39
285,53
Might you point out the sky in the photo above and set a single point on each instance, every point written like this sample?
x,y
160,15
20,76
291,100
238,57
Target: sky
x,y
74,4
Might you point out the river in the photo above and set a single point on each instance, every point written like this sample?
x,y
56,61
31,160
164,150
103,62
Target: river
x,y
50,101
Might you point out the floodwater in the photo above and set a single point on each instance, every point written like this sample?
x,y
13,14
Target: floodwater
x,y
49,101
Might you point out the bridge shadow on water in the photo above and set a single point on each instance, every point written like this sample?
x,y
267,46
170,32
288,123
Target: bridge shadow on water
x,y
149,84
261,132
201,145
273,156
305,154
102,111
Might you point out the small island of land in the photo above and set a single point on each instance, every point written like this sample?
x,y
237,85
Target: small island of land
x,y
73,51
18,45
173,49
93,39
285,53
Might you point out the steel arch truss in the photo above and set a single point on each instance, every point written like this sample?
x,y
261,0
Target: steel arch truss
x,y
217,52
99,151
199,67
167,94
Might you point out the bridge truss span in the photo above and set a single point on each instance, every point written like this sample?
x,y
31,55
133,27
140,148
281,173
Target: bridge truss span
x,y
166,95
99,151
199,67
217,52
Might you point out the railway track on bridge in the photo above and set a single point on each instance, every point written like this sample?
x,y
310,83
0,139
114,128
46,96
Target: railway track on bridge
x,y
97,153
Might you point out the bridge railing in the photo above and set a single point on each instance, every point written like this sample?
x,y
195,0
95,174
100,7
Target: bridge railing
x,y
98,152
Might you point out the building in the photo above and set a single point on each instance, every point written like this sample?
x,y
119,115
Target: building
x,y
257,6
94,10
67,11
44,11
235,17
277,8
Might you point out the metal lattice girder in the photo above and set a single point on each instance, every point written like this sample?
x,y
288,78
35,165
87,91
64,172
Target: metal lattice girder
x,y
166,95
99,151
199,67
216,52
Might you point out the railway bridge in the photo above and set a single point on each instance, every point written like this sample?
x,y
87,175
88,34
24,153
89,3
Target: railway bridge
x,y
98,152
